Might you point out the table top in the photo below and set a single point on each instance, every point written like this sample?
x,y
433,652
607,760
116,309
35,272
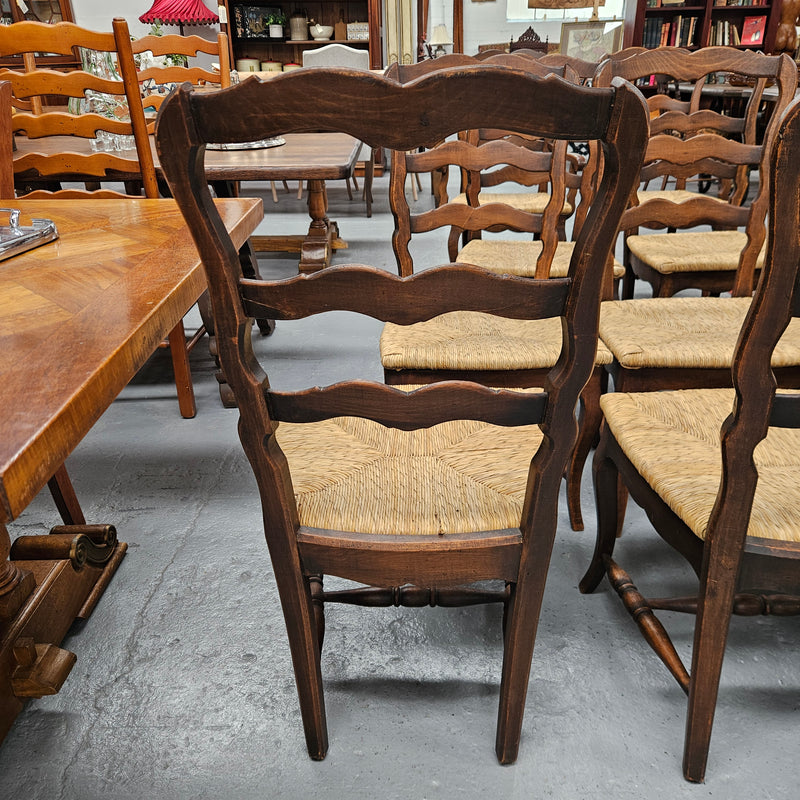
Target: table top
x,y
305,156
80,315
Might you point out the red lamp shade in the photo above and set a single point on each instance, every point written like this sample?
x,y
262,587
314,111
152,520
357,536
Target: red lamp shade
x,y
179,12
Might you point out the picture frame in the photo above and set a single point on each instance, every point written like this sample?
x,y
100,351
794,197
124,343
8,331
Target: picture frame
x,y
591,40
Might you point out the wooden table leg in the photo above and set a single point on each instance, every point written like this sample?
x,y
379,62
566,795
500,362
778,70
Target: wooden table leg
x,y
46,583
315,253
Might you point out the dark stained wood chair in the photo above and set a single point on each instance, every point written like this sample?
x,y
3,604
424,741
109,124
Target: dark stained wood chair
x,y
410,530
115,111
688,342
470,346
717,472
690,146
529,40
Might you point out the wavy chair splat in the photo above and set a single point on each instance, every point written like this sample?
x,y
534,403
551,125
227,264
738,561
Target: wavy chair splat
x,y
386,517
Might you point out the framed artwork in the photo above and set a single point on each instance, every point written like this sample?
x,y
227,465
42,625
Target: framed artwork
x,y
591,40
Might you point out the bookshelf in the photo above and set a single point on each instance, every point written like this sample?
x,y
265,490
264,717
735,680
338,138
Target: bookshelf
x,y
747,24
245,43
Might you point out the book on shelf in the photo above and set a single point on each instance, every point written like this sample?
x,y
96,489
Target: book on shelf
x,y
753,30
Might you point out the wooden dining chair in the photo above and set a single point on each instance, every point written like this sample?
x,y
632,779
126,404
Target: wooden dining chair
x,y
432,489
662,343
110,115
471,346
717,472
692,146
159,71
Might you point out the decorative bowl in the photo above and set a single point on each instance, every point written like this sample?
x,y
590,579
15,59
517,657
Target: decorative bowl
x,y
321,33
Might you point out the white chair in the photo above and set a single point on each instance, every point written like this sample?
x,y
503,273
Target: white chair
x,y
340,55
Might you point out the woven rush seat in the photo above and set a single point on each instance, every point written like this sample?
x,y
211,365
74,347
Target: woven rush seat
x,y
673,195
353,474
471,340
532,202
672,438
515,257
691,251
695,332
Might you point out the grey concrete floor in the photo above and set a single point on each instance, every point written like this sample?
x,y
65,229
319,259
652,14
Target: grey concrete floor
x,y
184,689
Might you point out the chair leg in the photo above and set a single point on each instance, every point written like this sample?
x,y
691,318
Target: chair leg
x,y
588,426
183,375
369,172
301,627
349,190
521,622
710,637
274,191
605,477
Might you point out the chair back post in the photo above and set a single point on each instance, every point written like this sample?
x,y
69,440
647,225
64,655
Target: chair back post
x,y
6,142
127,69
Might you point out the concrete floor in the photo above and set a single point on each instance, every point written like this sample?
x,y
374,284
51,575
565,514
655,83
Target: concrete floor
x,y
183,686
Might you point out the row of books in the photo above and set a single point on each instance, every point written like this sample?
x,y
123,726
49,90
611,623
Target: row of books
x,y
725,32
679,31
717,3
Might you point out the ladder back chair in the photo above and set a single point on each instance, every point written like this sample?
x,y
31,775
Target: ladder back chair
x,y
717,472
688,342
158,71
691,143
498,352
409,529
101,138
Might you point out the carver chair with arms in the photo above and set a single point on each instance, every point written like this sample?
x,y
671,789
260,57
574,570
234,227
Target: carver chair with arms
x,y
411,509
717,472
106,141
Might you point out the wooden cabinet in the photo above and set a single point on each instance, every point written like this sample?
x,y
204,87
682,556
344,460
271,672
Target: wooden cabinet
x,y
247,28
693,24
49,11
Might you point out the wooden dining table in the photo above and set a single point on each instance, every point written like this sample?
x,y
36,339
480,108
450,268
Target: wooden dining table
x,y
78,317
312,157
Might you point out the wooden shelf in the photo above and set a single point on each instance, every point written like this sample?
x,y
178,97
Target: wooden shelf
x,y
324,12
639,16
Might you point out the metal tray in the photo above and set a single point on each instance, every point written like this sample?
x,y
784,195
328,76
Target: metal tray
x,y
16,238
259,144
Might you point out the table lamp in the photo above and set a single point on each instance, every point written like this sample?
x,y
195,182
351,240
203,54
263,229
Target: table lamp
x,y
179,12
439,39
